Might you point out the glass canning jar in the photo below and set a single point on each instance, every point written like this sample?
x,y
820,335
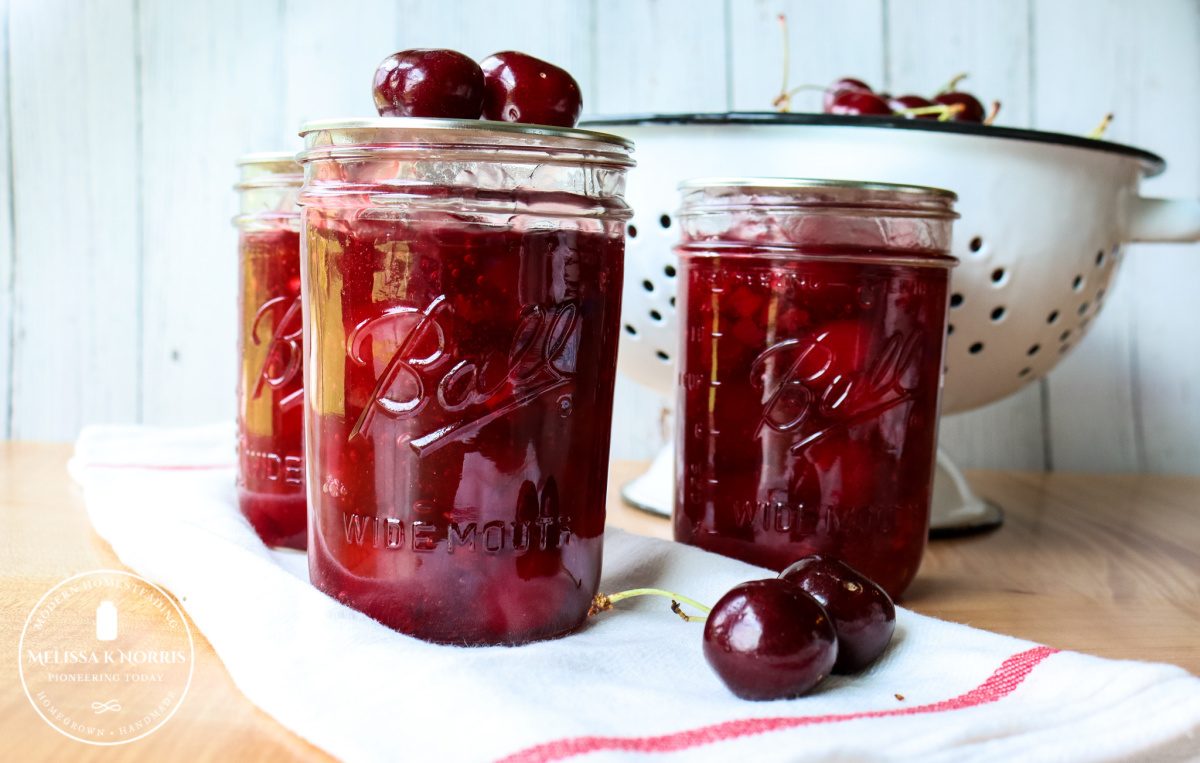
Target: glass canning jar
x,y
462,285
810,367
270,385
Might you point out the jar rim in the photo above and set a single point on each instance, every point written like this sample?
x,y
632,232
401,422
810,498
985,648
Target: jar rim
x,y
795,183
268,157
437,125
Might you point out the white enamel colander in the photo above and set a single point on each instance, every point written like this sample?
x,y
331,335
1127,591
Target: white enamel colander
x,y
1044,218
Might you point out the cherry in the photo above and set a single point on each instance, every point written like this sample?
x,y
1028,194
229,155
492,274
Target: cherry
x,y
903,102
845,84
863,615
521,88
858,103
972,110
429,82
767,639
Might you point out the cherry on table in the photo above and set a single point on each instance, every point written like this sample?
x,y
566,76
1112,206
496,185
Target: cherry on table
x,y
863,614
858,103
845,84
520,88
429,82
972,110
768,639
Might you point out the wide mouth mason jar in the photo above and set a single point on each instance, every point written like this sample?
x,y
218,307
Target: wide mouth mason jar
x,y
270,385
811,365
462,285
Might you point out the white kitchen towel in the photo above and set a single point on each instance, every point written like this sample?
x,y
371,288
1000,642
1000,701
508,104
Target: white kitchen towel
x,y
632,683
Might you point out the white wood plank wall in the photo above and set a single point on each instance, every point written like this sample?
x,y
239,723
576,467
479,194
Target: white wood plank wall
x,y
121,120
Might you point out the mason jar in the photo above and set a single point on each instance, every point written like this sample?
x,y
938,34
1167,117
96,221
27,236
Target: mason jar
x,y
462,284
810,368
270,385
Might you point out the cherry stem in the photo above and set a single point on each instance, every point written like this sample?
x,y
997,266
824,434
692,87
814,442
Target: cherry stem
x,y
991,117
953,83
783,101
604,602
1099,130
942,110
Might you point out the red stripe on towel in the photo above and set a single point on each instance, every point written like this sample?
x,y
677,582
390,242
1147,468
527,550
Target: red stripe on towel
x,y
1011,674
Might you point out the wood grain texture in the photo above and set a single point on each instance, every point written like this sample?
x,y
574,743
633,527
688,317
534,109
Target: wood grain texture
x,y
329,55
660,56
657,56
988,39
827,41
73,104
7,256
211,91
117,292
1102,564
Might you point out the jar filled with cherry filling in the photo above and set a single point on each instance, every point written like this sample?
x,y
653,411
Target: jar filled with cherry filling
x,y
270,386
811,363
462,288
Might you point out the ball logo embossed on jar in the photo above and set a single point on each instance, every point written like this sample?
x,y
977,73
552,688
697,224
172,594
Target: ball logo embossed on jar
x,y
423,368
281,365
817,391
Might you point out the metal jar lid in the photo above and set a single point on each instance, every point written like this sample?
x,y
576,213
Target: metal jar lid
x,y
341,138
722,194
266,169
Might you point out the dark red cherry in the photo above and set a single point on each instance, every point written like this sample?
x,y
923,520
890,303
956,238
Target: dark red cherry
x,y
902,102
972,109
842,85
520,88
859,103
863,615
767,639
429,82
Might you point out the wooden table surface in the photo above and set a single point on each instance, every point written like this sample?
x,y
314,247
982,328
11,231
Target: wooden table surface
x,y
1102,564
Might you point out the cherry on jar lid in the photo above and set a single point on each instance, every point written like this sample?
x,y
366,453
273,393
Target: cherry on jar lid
x,y
902,224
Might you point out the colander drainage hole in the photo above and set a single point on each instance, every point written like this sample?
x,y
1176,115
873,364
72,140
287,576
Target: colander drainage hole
x,y
1099,295
648,285
672,302
1099,258
664,357
998,314
976,244
1064,336
1052,317
670,271
632,231
1077,284
949,329
998,276
976,348
1065,347
656,315
1025,371
630,330
1083,308
665,221
956,300
1033,350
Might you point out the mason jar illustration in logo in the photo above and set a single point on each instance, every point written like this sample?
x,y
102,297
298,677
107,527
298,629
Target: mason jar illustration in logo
x,y
811,367
106,621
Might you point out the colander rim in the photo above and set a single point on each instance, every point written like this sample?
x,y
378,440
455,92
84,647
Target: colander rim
x,y
1152,163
